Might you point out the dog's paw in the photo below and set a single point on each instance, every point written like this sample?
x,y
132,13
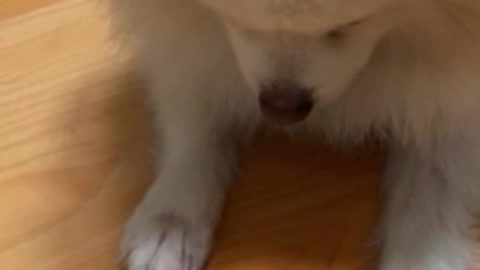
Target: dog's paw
x,y
164,242
431,261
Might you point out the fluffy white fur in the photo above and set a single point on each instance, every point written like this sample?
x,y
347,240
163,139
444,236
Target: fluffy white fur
x,y
408,71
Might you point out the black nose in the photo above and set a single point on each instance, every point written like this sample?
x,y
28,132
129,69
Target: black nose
x,y
285,104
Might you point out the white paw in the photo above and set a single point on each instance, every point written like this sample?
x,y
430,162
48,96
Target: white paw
x,y
164,242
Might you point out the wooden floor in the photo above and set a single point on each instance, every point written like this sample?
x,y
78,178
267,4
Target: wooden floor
x,y
75,157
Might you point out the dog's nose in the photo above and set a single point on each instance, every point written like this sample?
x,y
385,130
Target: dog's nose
x,y
285,104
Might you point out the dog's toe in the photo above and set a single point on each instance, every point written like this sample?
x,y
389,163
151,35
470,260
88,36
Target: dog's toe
x,y
164,243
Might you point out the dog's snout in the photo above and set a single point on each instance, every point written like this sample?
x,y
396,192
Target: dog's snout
x,y
285,104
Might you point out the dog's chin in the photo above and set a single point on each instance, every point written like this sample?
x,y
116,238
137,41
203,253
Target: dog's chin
x,y
282,121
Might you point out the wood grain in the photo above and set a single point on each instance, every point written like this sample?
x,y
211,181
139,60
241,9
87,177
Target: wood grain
x,y
75,157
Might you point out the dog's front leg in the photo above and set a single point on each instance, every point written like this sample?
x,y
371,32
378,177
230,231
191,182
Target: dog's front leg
x,y
429,216
172,227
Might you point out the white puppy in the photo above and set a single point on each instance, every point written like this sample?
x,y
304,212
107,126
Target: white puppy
x,y
408,70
